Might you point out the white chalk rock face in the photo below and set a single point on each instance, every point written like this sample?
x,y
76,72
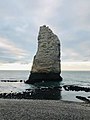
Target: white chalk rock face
x,y
46,62
47,58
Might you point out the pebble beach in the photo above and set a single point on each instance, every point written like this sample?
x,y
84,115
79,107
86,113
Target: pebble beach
x,y
14,109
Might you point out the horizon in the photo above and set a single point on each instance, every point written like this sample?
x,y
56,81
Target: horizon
x,y
65,66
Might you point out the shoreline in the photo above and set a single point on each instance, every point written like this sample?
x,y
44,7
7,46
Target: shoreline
x,y
15,109
65,93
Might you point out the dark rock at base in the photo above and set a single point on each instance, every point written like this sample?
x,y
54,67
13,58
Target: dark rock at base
x,y
42,77
11,80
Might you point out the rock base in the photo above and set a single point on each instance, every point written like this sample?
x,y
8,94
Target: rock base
x,y
43,93
42,77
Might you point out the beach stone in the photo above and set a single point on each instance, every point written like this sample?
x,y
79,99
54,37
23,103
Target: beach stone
x,y
46,63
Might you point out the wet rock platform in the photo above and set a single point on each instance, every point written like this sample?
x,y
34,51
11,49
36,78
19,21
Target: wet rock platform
x,y
76,88
37,93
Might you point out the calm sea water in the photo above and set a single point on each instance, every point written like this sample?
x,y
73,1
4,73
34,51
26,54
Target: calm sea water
x,y
81,78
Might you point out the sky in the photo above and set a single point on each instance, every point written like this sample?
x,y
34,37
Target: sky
x,y
19,25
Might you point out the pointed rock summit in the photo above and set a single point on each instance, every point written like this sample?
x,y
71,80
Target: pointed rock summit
x,y
46,63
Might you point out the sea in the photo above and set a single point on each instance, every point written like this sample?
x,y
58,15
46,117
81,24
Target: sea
x,y
78,78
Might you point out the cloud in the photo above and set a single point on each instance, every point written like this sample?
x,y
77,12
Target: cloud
x,y
39,12
20,21
70,55
9,48
45,11
73,20
76,51
78,66
15,66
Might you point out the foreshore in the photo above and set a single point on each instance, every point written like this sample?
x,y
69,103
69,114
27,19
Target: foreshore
x,y
16,109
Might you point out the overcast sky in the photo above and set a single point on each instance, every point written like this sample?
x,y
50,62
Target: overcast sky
x,y
20,21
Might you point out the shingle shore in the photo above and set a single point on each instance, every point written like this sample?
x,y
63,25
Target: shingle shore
x,y
13,109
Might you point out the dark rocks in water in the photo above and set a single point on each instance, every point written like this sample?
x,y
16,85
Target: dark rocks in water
x,y
11,80
21,80
83,99
46,64
47,93
76,88
20,95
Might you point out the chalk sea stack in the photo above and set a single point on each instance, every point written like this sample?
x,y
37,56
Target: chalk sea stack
x,y
46,63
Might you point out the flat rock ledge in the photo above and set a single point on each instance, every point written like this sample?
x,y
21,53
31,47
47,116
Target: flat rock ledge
x,y
46,63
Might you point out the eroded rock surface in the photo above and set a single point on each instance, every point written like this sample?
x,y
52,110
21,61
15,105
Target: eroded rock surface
x,y
46,63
